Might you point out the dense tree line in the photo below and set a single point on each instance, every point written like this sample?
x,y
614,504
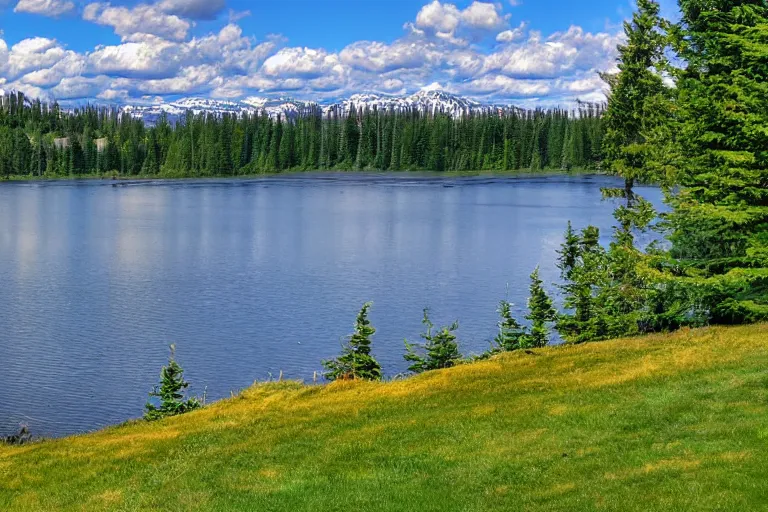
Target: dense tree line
x,y
41,140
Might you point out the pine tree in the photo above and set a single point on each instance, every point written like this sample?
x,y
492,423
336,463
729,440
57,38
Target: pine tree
x,y
356,361
170,393
440,349
624,293
719,222
568,254
512,335
540,312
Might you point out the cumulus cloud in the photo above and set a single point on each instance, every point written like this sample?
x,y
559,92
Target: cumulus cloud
x,y
151,58
52,8
4,54
559,54
193,9
35,53
381,57
483,16
141,19
512,35
189,80
451,24
301,62
79,87
505,86
472,51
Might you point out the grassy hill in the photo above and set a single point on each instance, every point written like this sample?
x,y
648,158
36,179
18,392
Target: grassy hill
x,y
674,422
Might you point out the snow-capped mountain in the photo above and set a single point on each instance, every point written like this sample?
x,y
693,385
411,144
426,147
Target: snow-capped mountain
x,y
175,110
431,99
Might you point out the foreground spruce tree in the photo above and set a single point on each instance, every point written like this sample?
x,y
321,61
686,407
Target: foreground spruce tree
x,y
439,350
356,361
541,312
583,270
512,335
170,393
635,93
719,223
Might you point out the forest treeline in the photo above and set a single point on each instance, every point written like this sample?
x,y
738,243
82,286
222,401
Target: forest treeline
x,y
40,139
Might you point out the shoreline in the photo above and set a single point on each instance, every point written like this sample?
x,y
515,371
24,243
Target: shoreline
x,y
411,173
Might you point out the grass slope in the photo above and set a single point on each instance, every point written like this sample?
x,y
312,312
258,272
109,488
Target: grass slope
x,y
675,422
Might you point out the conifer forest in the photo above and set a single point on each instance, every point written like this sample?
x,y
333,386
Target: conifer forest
x,y
40,139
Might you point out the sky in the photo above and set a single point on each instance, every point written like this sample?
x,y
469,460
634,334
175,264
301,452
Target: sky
x,y
523,52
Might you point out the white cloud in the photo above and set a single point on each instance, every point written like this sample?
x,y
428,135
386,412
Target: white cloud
x,y
392,84
483,16
450,24
52,8
4,54
79,87
151,58
141,19
231,51
301,62
439,17
189,80
560,54
72,64
515,34
158,57
382,57
35,53
505,86
193,9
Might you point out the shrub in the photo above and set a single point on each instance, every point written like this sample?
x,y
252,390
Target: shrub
x,y
440,349
170,393
356,361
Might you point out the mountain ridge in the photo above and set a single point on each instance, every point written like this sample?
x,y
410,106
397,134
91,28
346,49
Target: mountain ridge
x,y
431,99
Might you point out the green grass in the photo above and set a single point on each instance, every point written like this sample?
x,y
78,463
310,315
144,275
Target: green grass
x,y
668,422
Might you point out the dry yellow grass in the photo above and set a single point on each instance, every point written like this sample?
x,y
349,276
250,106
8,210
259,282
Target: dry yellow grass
x,y
664,422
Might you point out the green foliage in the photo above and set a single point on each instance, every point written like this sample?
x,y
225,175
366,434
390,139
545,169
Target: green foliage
x,y
632,94
582,262
439,350
512,335
170,393
39,139
356,361
716,149
540,312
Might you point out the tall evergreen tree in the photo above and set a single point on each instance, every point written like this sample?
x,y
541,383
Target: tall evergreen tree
x,y
719,222
624,294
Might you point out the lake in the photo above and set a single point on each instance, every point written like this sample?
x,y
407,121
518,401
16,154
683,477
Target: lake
x,y
253,277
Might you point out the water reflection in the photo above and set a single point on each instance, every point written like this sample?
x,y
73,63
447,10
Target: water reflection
x,y
252,277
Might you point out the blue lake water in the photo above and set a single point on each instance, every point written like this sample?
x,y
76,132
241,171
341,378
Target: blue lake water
x,y
252,277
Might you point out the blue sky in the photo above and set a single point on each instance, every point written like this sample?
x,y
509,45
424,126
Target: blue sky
x,y
513,51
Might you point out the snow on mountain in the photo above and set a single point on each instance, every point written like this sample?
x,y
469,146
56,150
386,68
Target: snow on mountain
x,y
431,99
